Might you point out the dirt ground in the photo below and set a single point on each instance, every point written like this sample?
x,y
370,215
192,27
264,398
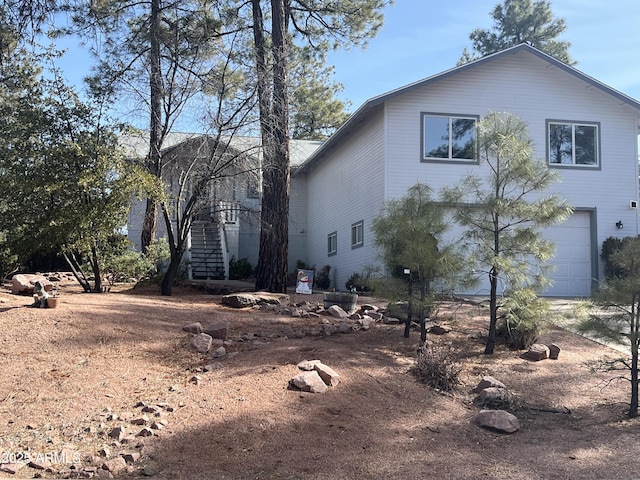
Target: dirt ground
x,y
70,375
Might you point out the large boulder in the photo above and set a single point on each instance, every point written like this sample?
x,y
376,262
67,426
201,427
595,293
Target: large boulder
x,y
22,284
242,300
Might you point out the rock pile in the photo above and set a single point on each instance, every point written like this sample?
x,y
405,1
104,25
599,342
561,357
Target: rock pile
x,y
127,448
317,377
493,393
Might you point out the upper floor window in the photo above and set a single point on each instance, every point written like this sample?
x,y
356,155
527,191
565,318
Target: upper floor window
x,y
449,137
332,243
573,144
357,234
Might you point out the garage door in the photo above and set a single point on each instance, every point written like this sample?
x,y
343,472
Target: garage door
x,y
572,261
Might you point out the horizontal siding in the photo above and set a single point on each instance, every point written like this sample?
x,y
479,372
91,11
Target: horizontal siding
x,y
297,220
345,188
536,92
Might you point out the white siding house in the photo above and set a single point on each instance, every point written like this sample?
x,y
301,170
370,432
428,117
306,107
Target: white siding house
x,y
387,146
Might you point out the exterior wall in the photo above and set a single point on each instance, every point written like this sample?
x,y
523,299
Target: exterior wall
x,y
526,86
384,157
343,189
297,221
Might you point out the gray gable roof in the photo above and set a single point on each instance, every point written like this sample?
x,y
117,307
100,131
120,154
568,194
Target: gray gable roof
x,y
376,103
136,145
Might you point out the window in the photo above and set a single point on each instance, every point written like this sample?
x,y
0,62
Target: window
x,y
357,234
573,144
253,188
449,138
332,243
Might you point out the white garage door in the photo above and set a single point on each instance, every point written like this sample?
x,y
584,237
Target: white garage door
x,y
572,261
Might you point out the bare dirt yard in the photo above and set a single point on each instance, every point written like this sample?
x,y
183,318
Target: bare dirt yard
x,y
107,381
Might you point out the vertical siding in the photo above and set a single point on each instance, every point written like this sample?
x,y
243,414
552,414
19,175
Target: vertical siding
x,y
343,189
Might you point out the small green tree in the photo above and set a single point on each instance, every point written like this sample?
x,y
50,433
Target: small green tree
x,y
518,21
408,231
616,313
504,212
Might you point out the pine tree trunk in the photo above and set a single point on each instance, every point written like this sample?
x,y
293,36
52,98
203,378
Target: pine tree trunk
x,y
271,271
493,312
633,408
149,225
155,128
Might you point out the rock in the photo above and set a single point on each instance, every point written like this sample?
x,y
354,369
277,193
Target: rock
x,y
308,365
12,468
345,328
309,382
22,284
366,322
105,451
212,366
242,300
143,420
329,376
218,330
391,320
219,352
487,382
193,328
115,465
439,329
377,316
494,397
145,432
366,308
150,470
554,351
498,420
130,457
537,352
201,343
117,433
337,312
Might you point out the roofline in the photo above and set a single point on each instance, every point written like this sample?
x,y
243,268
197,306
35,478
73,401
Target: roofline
x,y
380,99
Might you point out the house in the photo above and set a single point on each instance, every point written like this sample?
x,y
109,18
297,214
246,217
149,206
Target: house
x,y
388,145
227,213
585,130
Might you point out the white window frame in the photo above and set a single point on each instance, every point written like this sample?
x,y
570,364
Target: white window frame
x,y
357,234
332,244
573,125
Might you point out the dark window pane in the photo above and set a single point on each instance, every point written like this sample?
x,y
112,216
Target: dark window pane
x,y
560,149
586,145
436,137
463,142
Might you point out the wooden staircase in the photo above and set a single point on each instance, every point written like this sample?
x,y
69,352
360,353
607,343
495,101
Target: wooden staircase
x,y
207,260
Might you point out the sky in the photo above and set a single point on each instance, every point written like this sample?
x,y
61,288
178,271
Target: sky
x,y
421,38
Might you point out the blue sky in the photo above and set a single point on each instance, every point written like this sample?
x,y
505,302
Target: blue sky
x,y
423,37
